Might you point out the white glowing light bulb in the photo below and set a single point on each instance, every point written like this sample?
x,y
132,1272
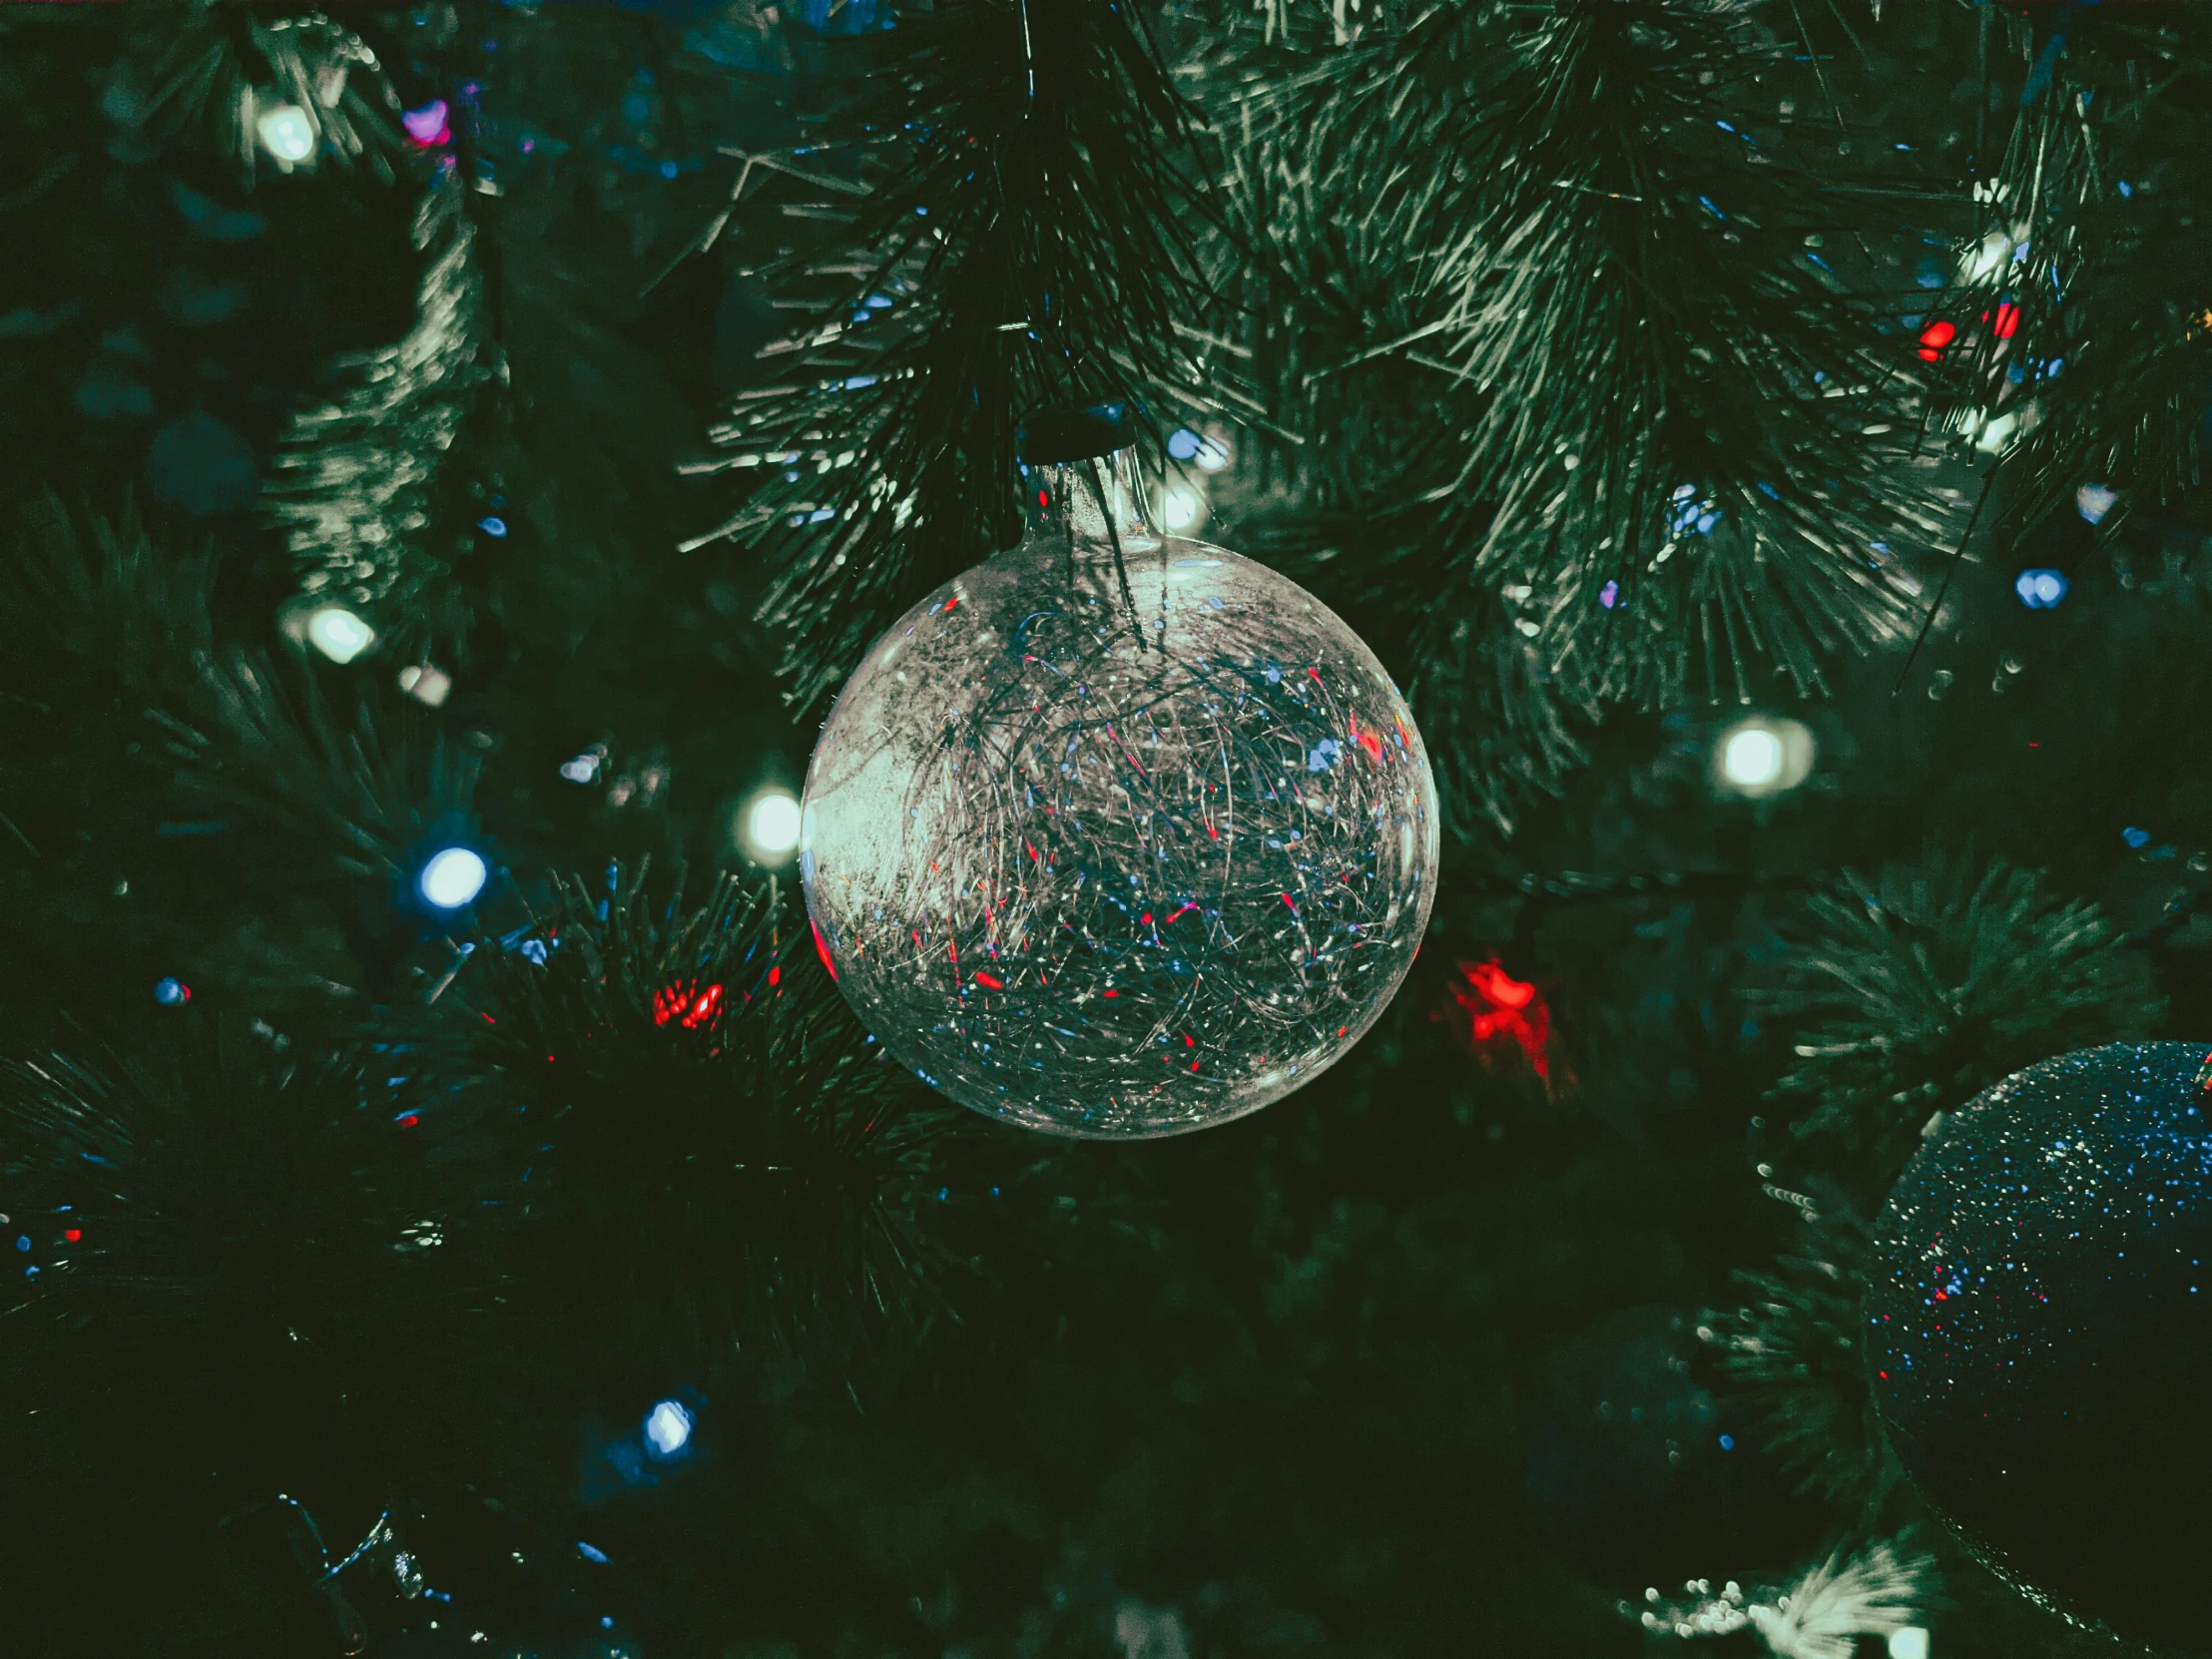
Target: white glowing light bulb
x,y
338,634
1911,1642
771,826
1211,455
453,877
1763,756
668,1429
286,133
1752,758
1181,507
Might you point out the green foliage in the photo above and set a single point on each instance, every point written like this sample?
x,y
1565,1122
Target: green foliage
x,y
1632,296
227,1234
349,793
357,493
202,71
1582,389
1918,991
2089,237
1794,1347
717,1155
988,213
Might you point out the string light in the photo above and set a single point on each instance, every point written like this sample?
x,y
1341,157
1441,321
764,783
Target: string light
x,y
668,1429
768,827
286,133
1763,757
452,878
2093,501
2042,590
427,126
426,683
338,634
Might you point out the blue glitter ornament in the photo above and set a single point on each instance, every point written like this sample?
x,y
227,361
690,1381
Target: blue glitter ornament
x,y
2039,1330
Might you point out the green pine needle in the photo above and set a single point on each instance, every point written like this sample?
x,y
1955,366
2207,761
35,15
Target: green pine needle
x,y
965,250
717,1156
356,489
1919,990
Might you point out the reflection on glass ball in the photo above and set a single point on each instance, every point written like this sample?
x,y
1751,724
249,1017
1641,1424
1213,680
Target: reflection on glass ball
x,y
1119,861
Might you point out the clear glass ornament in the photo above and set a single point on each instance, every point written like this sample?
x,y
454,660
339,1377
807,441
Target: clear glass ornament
x,y
1118,845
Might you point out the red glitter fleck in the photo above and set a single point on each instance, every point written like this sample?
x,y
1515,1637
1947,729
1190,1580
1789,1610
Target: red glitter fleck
x,y
71,1235
776,975
955,599
1934,337
990,983
409,1121
1109,994
1146,918
1286,897
2008,321
1368,742
821,950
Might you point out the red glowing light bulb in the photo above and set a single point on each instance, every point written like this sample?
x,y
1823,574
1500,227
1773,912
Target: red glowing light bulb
x,y
1934,337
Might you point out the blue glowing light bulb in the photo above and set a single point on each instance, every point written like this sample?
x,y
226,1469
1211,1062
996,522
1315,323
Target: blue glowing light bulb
x,y
453,877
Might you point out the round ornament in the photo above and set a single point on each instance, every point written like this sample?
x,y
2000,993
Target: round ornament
x,y
1117,834
2040,1331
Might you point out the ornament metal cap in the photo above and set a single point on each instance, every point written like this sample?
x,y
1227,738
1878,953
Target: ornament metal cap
x,y
1052,436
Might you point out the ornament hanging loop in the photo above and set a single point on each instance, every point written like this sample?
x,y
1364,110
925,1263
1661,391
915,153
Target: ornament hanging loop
x,y
1075,441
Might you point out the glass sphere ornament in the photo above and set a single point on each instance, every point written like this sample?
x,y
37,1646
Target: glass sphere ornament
x,y
2039,1330
1117,834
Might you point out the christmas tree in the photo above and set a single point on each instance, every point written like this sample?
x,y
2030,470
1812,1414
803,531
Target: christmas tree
x,y
459,452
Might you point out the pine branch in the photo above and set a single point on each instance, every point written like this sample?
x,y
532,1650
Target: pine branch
x,y
1825,1612
1689,443
209,70
92,609
717,1156
355,799
1926,987
2081,339
225,1284
995,209
1794,1347
356,489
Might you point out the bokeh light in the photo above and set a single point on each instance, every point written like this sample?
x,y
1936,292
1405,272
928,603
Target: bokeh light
x,y
453,877
668,1429
768,827
1763,756
287,132
1181,507
338,634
